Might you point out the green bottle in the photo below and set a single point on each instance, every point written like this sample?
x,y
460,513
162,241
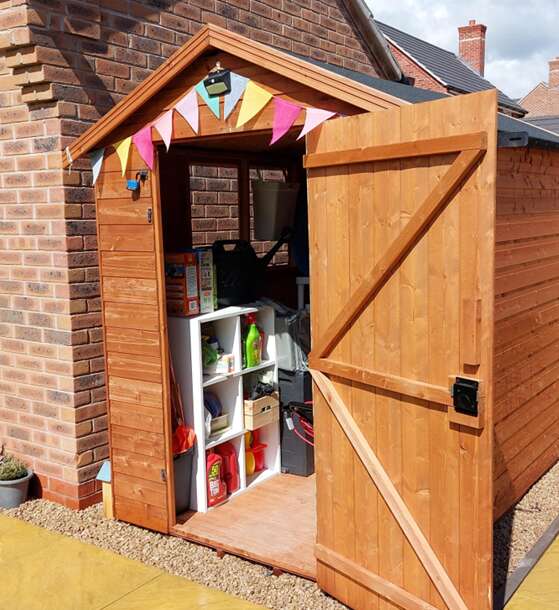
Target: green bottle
x,y
252,342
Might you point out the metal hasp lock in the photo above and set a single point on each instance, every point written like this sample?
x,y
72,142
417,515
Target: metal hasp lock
x,y
464,396
134,185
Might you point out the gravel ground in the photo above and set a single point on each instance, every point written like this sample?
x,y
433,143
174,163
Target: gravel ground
x,y
233,575
515,533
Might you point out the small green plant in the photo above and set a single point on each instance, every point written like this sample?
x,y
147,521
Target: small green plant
x,y
11,468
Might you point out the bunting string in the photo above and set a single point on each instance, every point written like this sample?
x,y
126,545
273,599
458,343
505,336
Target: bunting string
x,y
254,99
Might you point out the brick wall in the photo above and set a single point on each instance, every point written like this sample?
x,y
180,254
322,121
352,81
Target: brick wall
x,y
543,100
421,78
215,207
62,65
215,204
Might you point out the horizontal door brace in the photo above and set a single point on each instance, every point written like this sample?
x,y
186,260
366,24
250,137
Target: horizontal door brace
x,y
400,150
384,381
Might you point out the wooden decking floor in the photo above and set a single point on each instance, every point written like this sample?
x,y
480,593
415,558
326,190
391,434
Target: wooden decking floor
x,y
274,524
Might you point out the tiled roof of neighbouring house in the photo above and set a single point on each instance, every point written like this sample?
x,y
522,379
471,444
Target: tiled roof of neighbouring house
x,y
444,65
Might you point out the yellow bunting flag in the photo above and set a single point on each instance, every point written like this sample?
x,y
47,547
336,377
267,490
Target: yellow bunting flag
x,y
254,99
122,150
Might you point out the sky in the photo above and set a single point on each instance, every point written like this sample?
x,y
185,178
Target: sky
x,y
521,36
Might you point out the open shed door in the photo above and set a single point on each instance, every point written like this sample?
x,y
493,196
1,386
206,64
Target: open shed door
x,y
401,215
134,321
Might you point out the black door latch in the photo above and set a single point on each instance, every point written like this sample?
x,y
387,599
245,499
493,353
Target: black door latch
x,y
464,396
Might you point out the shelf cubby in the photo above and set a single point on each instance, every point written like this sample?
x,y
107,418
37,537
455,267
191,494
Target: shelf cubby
x,y
185,336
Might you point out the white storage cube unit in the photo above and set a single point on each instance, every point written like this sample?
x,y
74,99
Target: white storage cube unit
x,y
185,337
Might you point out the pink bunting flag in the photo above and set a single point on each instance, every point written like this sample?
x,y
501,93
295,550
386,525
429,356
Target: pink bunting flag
x,y
187,107
143,142
313,118
164,125
285,114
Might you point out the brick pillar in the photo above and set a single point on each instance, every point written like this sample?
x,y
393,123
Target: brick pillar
x,y
471,45
52,399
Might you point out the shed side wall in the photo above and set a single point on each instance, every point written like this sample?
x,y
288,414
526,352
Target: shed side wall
x,y
526,321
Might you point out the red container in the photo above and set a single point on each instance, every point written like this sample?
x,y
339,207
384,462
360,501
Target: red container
x,y
259,459
217,490
230,466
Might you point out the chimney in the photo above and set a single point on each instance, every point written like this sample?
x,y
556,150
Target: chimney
x,y
554,73
471,45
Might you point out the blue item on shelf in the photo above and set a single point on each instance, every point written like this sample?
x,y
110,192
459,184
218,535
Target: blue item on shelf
x,y
212,404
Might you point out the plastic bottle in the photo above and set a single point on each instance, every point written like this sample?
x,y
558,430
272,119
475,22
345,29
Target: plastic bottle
x,y
216,488
253,342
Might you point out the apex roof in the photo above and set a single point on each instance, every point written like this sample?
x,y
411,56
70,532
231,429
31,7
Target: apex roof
x,y
212,37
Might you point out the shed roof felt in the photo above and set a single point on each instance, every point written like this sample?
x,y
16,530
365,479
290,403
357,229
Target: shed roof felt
x,y
551,123
445,65
212,37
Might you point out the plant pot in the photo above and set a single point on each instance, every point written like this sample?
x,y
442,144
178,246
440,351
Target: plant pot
x,y
13,493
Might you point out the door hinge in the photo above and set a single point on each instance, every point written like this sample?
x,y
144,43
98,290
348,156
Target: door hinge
x,y
163,473
149,215
465,396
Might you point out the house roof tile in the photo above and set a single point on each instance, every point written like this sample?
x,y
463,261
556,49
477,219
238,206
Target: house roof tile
x,y
447,67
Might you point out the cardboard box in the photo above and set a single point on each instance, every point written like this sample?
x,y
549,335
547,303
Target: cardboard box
x,y
205,262
181,283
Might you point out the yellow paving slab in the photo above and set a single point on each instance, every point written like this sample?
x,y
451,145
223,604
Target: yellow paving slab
x,y
540,589
42,570
16,541
167,592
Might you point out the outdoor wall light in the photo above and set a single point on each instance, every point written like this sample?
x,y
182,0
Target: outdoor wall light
x,y
218,81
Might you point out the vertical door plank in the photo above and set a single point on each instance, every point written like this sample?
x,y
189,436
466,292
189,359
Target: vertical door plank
x,y
414,328
387,353
338,213
361,242
318,255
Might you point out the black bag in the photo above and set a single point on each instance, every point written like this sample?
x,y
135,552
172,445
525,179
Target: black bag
x,y
239,272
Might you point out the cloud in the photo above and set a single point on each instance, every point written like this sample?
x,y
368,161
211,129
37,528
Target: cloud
x,y
521,37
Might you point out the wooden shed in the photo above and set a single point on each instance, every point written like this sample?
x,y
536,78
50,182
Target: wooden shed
x,y
434,277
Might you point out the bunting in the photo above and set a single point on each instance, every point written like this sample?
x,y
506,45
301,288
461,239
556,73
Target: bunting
x,y
164,125
144,143
238,86
96,157
285,114
122,150
211,102
313,118
254,100
187,107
